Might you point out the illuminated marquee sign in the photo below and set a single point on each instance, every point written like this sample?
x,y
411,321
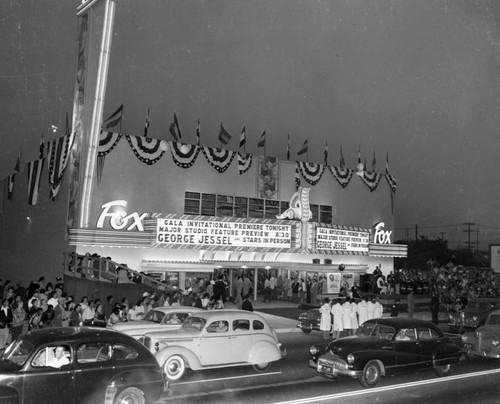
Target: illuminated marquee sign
x,y
381,236
232,234
119,219
338,239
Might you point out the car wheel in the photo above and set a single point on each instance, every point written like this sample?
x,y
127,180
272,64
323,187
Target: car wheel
x,y
262,367
444,370
371,374
306,330
130,395
174,367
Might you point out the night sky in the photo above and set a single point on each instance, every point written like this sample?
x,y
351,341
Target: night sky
x,y
418,80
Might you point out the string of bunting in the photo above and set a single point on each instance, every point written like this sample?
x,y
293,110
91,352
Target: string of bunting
x,y
342,175
184,155
146,149
311,172
371,179
244,162
220,159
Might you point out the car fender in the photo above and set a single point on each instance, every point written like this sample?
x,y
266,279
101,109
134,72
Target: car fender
x,y
8,395
142,379
192,360
446,354
384,358
264,351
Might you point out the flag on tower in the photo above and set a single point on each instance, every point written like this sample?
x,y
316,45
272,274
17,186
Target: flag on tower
x,y
326,153
198,135
114,119
224,136
288,148
262,141
303,149
243,137
146,124
175,130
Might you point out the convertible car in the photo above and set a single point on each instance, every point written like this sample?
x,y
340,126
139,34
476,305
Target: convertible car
x,y
386,346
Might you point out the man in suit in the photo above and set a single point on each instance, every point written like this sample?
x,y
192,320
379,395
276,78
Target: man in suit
x,y
5,322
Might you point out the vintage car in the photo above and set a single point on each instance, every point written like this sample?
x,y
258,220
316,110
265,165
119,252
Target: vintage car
x,y
215,339
473,315
310,320
485,340
386,346
78,365
160,318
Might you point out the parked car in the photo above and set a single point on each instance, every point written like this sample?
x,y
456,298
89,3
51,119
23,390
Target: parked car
x,y
160,318
386,346
215,339
311,320
485,340
78,365
473,315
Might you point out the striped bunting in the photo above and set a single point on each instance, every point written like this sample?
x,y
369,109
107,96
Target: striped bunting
x,y
220,159
342,175
146,149
184,155
311,172
244,162
371,179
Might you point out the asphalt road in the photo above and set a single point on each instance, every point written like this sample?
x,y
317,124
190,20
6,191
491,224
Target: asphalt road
x,y
291,381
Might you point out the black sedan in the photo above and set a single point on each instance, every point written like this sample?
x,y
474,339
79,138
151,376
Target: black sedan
x,y
78,365
386,346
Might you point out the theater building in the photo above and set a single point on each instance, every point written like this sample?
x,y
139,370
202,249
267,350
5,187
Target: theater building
x,y
180,211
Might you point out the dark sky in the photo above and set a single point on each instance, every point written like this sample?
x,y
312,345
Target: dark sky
x,y
416,79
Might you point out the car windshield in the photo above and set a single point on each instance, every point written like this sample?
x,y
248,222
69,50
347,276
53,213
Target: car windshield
x,y
194,322
381,331
155,316
18,351
493,319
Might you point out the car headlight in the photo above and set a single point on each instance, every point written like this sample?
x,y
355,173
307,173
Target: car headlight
x,y
474,318
450,316
495,343
350,358
313,350
464,337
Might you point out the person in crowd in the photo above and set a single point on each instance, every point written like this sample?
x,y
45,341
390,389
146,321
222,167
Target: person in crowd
x,y
287,289
88,313
363,310
99,316
370,308
295,291
267,290
354,316
273,285
76,316
247,286
35,321
136,312
303,290
219,289
346,315
109,306
338,324
18,319
114,317
47,317
434,306
247,304
314,290
238,290
59,312
205,301
197,300
411,303
124,313
325,324
308,289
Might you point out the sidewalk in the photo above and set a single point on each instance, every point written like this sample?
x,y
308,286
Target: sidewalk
x,y
283,324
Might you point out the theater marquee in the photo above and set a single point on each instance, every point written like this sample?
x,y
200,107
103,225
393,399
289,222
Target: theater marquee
x,y
343,240
225,234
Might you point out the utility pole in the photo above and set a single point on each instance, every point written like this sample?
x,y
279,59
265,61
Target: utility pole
x,y
468,231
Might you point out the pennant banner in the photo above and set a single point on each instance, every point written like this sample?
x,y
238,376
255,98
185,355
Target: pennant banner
x,y
184,155
312,172
58,159
146,149
34,173
219,159
244,162
371,179
342,175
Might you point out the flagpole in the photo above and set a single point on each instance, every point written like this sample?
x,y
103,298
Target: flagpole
x,y
121,120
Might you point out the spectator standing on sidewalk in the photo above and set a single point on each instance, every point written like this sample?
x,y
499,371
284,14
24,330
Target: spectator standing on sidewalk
x,y
247,304
411,303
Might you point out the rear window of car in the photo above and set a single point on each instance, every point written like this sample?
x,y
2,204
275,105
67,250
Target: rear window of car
x,y
258,325
241,325
124,352
194,322
93,352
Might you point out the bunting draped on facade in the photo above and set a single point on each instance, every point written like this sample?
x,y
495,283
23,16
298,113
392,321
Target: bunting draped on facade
x,y
146,149
107,142
312,172
184,155
220,159
342,175
58,157
371,179
244,162
34,174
